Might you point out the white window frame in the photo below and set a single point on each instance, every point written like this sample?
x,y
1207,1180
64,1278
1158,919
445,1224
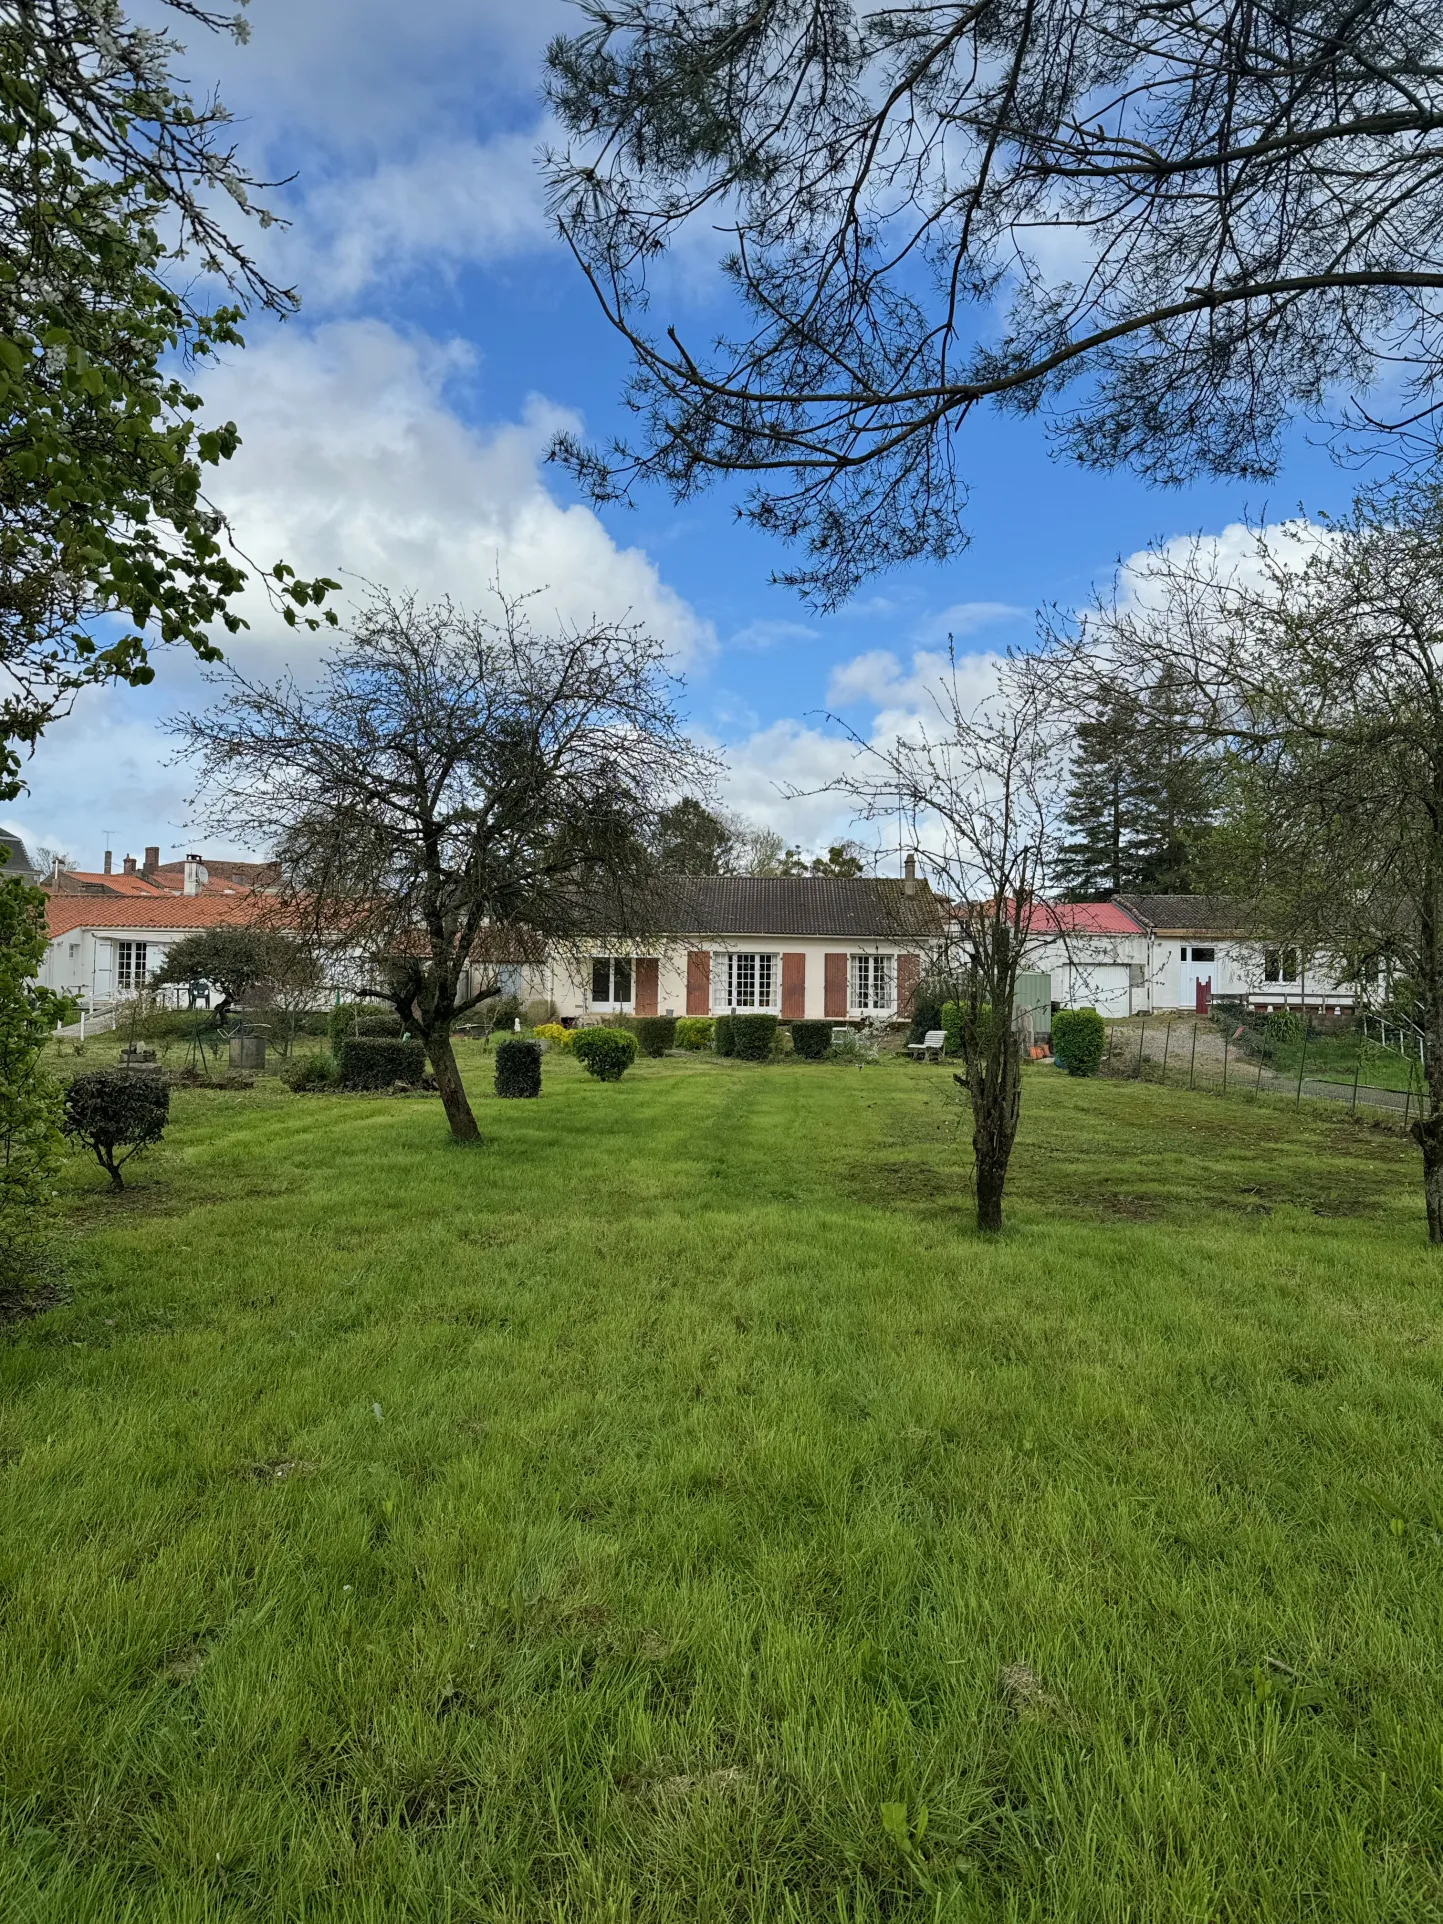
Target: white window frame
x,y
746,981
131,959
871,984
611,1006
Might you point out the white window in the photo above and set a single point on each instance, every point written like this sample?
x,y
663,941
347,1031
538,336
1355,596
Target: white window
x,y
873,983
748,980
130,970
611,982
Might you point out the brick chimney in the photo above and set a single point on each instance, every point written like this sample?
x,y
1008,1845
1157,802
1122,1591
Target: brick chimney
x,y
196,875
152,860
909,876
128,865
109,858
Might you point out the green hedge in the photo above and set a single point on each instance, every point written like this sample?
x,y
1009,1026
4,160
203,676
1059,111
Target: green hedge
x,y
606,1054
811,1040
655,1034
1078,1039
375,1062
723,1036
694,1032
360,1019
753,1037
952,1023
518,1067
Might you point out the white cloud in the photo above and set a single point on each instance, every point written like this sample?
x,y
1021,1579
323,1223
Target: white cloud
x,y
452,205
353,460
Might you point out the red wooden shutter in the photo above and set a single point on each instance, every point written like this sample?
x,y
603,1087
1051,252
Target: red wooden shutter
x,y
698,981
648,972
909,974
794,986
834,987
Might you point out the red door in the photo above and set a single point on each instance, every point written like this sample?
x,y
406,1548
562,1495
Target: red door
x,y
1204,995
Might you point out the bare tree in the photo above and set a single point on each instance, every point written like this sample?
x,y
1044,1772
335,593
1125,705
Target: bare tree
x,y
1166,226
976,785
1318,665
453,782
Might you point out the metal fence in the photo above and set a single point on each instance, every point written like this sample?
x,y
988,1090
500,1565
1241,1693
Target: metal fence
x,y
1203,1055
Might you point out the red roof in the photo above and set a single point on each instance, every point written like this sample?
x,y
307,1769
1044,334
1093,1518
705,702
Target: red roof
x,y
117,883
183,913
1084,918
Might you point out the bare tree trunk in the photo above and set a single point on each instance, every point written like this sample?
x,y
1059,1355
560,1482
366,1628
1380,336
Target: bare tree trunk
x,y
453,1093
1428,1134
994,1084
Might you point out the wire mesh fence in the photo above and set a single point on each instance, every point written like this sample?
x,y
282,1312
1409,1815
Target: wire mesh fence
x,y
1231,1055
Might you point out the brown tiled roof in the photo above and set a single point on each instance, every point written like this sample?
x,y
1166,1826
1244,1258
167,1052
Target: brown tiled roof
x,y
1185,914
869,907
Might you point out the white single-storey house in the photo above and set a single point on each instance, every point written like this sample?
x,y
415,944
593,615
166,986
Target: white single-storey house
x,y
1196,949
800,946
104,947
1095,953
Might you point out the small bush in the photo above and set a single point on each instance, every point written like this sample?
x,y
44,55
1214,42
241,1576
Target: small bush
x,y
811,1040
352,1019
1282,1028
655,1034
556,1033
375,1062
1078,1039
694,1032
606,1054
115,1110
518,1067
724,1035
952,1024
753,1036
314,1071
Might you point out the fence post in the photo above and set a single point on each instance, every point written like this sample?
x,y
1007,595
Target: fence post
x,y
1111,1038
1407,1099
1166,1045
1302,1064
1226,1040
1192,1059
1357,1071
1141,1045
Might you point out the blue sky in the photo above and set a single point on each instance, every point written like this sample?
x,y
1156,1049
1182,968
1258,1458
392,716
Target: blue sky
x,y
395,432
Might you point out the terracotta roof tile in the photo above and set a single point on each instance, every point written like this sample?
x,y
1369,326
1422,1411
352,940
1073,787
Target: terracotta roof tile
x,y
184,913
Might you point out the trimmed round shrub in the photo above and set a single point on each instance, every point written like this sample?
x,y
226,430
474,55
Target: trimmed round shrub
x,y
116,1113
360,1019
811,1040
518,1067
314,1071
375,1062
1283,1026
606,1054
753,1037
1078,1039
724,1035
655,1034
694,1032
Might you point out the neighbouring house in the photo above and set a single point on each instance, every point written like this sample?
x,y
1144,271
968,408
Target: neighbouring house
x,y
1198,947
799,946
104,947
17,864
1096,954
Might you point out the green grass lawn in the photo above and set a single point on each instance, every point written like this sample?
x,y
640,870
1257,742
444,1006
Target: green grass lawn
x,y
673,1510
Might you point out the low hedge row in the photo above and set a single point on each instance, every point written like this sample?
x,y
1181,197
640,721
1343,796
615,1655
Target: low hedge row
x,y
375,1062
694,1032
355,1019
811,1040
753,1037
